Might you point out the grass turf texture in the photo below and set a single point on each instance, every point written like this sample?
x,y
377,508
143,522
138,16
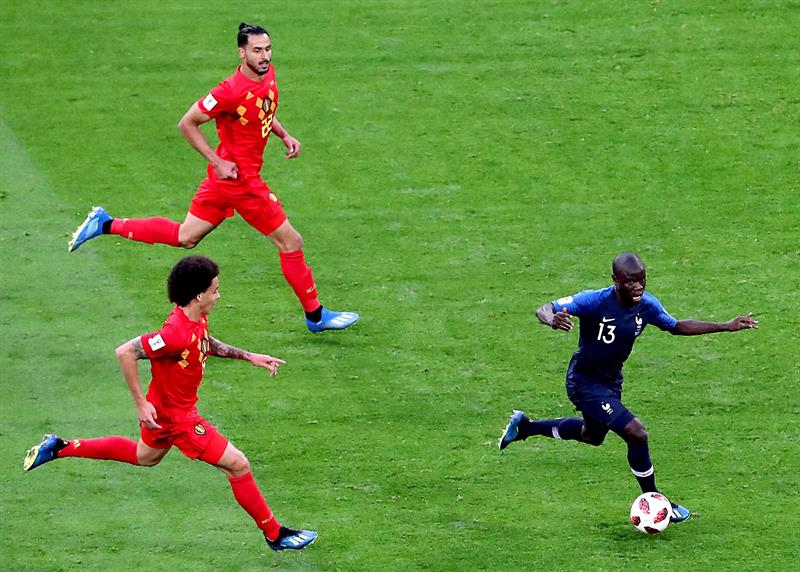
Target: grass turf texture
x,y
461,165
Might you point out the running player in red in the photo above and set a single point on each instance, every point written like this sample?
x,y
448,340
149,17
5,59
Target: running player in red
x,y
168,415
243,107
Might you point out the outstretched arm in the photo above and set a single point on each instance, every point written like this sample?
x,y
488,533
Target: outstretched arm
x,y
221,349
556,320
697,327
189,126
292,144
127,355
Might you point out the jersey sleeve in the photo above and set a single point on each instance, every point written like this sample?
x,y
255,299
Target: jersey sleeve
x,y
658,316
579,304
219,100
162,343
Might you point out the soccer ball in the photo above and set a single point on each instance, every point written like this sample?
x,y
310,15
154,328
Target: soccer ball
x,y
650,513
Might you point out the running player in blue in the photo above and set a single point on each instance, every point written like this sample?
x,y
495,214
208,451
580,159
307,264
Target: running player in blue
x,y
611,320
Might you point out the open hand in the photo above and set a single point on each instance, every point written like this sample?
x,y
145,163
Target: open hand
x,y
561,321
743,322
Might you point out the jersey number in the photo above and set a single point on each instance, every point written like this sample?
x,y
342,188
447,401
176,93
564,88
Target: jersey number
x,y
608,335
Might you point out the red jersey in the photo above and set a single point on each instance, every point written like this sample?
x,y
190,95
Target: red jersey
x,y
243,110
177,355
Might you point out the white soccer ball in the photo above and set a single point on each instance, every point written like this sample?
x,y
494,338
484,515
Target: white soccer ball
x,y
650,513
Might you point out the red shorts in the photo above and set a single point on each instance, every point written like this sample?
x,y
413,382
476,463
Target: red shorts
x,y
195,437
216,200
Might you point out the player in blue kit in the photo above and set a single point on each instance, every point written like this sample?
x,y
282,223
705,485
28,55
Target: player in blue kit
x,y
611,320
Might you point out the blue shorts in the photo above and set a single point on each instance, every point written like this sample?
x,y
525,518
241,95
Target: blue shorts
x,y
600,403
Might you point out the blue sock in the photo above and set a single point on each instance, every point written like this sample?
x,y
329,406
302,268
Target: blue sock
x,y
642,467
567,428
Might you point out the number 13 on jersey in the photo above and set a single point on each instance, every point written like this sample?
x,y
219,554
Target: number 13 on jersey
x,y
605,333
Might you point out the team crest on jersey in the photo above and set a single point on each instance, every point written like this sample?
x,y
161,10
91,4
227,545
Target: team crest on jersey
x,y
266,105
639,321
199,429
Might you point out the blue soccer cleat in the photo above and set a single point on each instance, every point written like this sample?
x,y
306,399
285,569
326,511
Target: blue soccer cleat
x,y
511,432
332,321
679,513
289,539
44,452
92,226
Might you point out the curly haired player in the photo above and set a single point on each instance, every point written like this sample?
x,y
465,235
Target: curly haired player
x,y
168,415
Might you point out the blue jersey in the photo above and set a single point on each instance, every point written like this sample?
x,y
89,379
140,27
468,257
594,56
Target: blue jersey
x,y
607,332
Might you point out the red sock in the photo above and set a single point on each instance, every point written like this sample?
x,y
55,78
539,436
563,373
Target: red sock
x,y
119,449
150,230
246,492
299,277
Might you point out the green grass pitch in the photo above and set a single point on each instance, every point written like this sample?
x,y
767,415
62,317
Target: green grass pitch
x,y
462,164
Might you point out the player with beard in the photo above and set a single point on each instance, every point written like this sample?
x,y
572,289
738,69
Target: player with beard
x,y
243,107
611,320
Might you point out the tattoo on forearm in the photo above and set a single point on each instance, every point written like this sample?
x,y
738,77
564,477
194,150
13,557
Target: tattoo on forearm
x,y
138,350
221,349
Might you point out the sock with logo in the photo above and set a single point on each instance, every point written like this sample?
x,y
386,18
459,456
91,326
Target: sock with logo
x,y
156,230
115,448
298,275
566,428
249,497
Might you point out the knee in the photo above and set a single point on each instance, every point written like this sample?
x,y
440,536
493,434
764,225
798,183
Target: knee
x,y
289,242
240,465
293,242
637,436
186,240
149,461
594,440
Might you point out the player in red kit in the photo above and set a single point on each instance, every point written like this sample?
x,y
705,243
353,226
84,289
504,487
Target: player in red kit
x,y
243,107
168,416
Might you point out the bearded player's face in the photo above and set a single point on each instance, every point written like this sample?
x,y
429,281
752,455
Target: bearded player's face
x,y
257,54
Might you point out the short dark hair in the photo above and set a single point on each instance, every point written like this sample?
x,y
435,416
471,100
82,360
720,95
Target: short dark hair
x,y
626,262
247,30
189,277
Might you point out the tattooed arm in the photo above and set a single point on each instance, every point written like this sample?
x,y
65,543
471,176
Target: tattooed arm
x,y
127,355
221,349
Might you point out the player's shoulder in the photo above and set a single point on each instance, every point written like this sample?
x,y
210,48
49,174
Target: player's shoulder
x,y
177,325
584,301
595,297
233,85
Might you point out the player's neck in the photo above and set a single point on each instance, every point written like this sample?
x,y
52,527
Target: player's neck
x,y
624,303
250,74
193,311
